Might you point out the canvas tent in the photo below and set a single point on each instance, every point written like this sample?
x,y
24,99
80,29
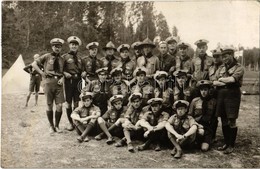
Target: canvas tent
x,y
16,80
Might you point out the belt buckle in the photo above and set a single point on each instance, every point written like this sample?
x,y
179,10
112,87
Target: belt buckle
x,y
37,75
76,75
56,77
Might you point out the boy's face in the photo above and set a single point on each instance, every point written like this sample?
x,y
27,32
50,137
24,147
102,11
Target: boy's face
x,y
102,77
74,47
155,107
140,78
217,59
56,48
136,103
172,46
93,51
202,49
181,111
204,92
124,54
147,49
227,58
181,80
118,104
161,81
118,77
183,51
87,102
110,51
163,48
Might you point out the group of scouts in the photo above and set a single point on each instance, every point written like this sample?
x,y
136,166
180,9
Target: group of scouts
x,y
171,97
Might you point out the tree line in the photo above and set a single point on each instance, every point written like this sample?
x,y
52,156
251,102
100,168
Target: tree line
x,y
28,26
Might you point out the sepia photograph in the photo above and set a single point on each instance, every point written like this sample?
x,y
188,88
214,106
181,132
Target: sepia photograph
x,y
130,84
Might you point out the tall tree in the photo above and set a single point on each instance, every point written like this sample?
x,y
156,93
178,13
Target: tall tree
x,y
162,28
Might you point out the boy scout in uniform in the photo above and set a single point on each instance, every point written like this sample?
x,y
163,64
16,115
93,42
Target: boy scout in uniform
x,y
119,86
85,117
148,60
203,110
183,61
142,85
91,63
172,45
181,128
129,122
53,74
35,81
137,50
72,72
100,88
110,60
153,122
202,62
167,62
229,78
182,90
163,91
106,122
128,65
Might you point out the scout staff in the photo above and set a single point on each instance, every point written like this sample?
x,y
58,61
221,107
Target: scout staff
x,y
53,73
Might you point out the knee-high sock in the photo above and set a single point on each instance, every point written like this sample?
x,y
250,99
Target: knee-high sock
x,y
69,111
50,117
57,118
233,136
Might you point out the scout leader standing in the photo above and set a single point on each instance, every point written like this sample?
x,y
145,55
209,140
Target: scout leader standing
x,y
201,62
148,60
35,81
167,62
53,73
85,117
72,72
229,78
181,128
91,63
172,46
128,65
110,60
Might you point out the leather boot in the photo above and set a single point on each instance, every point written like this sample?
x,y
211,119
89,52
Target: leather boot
x,y
144,146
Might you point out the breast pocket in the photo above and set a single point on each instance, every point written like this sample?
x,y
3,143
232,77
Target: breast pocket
x,y
50,65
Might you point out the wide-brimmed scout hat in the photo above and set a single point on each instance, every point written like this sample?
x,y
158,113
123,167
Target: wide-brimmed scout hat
x,y
147,42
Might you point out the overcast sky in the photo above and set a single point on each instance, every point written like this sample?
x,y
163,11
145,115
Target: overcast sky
x,y
227,22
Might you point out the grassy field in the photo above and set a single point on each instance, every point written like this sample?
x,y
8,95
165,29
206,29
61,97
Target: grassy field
x,y
27,143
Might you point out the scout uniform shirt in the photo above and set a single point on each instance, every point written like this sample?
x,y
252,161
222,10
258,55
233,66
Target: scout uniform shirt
x,y
197,112
83,111
128,67
154,119
48,62
165,94
200,70
133,115
111,62
183,63
90,65
112,115
235,70
146,89
181,126
167,63
150,62
72,64
212,72
185,93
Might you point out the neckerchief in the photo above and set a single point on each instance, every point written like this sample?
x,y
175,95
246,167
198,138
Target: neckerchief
x,y
203,58
56,65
